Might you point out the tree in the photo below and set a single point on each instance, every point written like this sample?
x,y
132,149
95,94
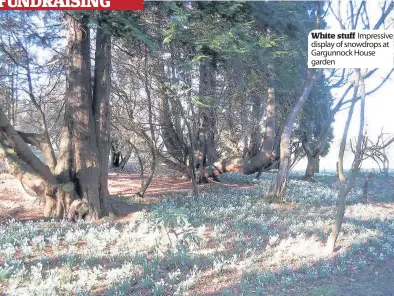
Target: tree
x,y
281,180
315,127
345,188
262,158
377,151
82,164
356,14
19,49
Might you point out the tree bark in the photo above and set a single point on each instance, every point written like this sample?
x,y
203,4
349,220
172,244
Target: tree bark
x,y
116,158
262,159
42,143
255,139
317,165
172,140
125,159
12,140
78,171
313,153
79,156
269,138
102,110
208,115
19,168
21,162
338,220
341,174
140,162
311,167
365,187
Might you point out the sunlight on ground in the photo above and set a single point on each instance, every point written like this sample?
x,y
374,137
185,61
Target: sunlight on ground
x,y
228,239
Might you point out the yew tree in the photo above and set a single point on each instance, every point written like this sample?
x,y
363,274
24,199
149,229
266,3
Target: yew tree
x,y
81,170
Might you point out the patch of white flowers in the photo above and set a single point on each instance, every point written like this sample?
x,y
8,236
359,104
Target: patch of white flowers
x,y
7,251
268,244
220,264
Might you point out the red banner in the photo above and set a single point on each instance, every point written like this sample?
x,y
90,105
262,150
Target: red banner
x,y
71,4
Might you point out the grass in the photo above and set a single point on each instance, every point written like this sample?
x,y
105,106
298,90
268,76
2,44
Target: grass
x,y
227,241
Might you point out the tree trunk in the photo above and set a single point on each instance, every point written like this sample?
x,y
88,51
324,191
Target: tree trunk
x,y
341,174
84,144
313,153
345,188
42,143
172,140
192,160
80,158
262,159
208,114
269,138
279,190
365,187
125,159
116,158
145,186
21,162
311,167
140,162
255,139
17,148
338,220
102,110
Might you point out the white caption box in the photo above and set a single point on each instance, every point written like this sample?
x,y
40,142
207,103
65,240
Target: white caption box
x,y
351,49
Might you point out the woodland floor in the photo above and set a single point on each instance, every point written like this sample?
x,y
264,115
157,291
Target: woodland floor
x,y
19,203
248,247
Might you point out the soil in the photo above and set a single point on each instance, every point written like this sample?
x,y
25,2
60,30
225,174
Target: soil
x,y
16,202
19,203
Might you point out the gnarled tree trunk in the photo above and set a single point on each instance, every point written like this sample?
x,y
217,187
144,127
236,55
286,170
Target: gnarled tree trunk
x,y
262,159
84,148
82,165
21,162
313,153
173,141
79,157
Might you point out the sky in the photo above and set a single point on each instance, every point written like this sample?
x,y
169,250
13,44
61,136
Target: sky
x,y
379,109
379,113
